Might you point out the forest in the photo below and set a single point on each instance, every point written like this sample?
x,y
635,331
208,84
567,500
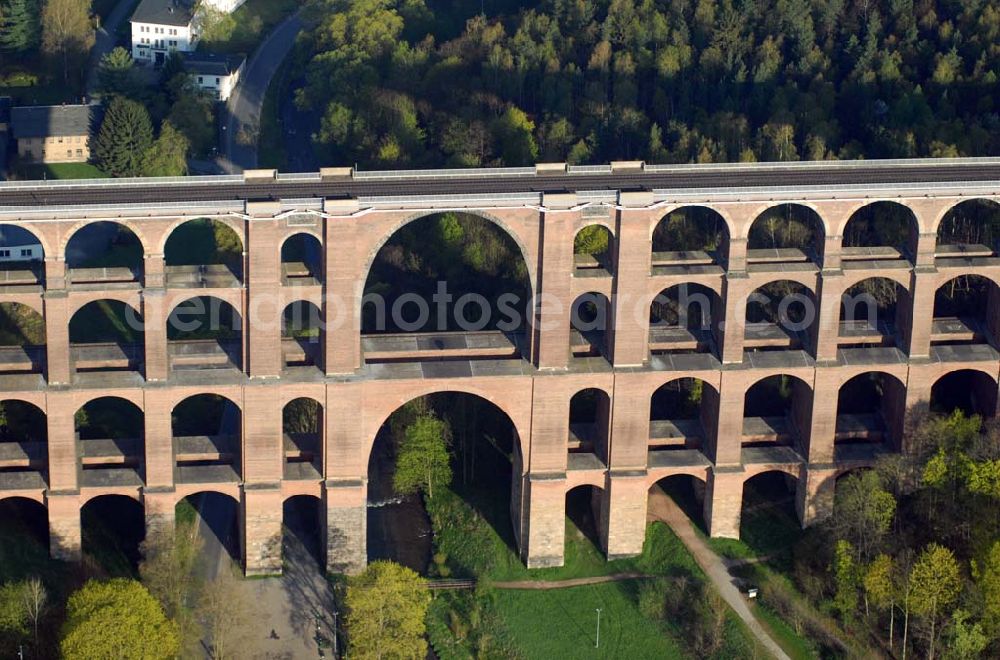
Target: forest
x,y
422,83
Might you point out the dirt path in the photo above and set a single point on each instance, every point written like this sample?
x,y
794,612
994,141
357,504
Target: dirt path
x,y
573,582
664,509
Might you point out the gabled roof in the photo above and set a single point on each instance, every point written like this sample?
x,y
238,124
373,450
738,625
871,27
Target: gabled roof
x,y
164,12
211,64
53,120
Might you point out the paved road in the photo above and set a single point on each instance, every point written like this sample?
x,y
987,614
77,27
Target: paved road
x,y
484,183
664,509
106,40
244,106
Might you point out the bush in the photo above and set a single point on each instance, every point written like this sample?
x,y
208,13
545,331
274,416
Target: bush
x,y
18,78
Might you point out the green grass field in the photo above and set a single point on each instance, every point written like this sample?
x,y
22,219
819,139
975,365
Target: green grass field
x,y
794,644
59,171
562,623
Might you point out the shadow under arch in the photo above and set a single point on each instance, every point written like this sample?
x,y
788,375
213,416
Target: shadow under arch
x,y
471,252
110,431
487,468
968,229
302,433
594,251
302,259
786,233
690,235
687,491
966,311
104,245
113,528
882,230
585,513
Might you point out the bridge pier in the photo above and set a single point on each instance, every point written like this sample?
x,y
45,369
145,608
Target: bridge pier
x,y
346,503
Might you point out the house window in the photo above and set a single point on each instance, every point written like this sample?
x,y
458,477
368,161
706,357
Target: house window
x,y
4,253
200,80
173,42
79,152
217,81
25,252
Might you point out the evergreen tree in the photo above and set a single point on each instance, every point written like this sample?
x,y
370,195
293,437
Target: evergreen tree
x,y
115,73
19,30
126,135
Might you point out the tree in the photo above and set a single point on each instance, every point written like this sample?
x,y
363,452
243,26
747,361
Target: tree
x,y
213,25
19,28
845,574
227,613
168,155
116,619
879,589
168,571
34,599
193,115
125,136
863,512
115,73
513,131
13,618
965,640
987,575
935,584
386,608
67,32
423,457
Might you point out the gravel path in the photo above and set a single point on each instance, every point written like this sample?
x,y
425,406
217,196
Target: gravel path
x,y
664,509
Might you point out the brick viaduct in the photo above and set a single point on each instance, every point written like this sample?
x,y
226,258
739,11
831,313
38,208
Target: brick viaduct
x,y
357,391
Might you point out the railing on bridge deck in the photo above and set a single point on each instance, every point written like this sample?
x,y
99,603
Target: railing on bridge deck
x,y
420,346
206,276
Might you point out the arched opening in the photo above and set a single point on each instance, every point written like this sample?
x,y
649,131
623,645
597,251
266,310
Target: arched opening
x,y
302,543
589,318
776,414
593,250
484,497
203,253
689,236
682,414
787,233
24,451
589,421
204,333
687,492
874,312
301,335
301,260
585,513
107,335
780,316
214,520
24,529
113,527
110,432
207,436
870,411
969,229
973,392
881,231
769,521
682,319
22,340
965,311
22,258
455,284
103,252
302,429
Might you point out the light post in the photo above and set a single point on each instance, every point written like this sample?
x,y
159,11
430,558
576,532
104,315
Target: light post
x,y
597,643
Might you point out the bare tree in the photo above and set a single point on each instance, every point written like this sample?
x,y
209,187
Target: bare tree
x,y
35,599
227,613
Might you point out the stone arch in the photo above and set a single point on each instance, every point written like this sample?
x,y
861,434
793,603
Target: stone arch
x,y
871,408
875,310
590,319
587,254
685,317
781,314
788,226
718,231
235,224
682,415
24,232
777,411
110,432
687,490
111,322
219,260
971,389
302,426
967,223
112,527
303,517
965,310
586,509
388,406
207,435
882,223
80,231
25,429
590,423
513,234
226,528
302,246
